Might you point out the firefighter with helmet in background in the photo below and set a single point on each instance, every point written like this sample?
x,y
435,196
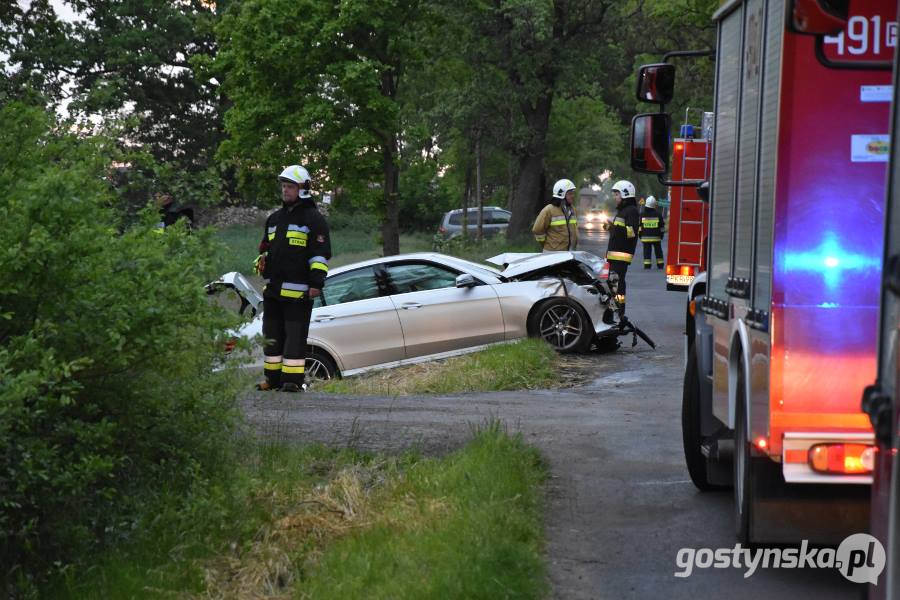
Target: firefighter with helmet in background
x,y
651,233
556,226
295,250
622,237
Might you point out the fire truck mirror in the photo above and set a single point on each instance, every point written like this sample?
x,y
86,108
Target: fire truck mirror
x,y
656,83
650,143
703,191
819,17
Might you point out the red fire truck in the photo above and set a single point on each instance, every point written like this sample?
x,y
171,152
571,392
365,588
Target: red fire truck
x,y
782,328
688,219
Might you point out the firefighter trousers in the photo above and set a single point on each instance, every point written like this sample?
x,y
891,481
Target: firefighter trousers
x,y
285,327
648,254
619,267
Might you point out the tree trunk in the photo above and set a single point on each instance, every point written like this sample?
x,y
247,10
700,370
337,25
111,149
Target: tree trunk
x,y
530,194
478,187
465,208
390,228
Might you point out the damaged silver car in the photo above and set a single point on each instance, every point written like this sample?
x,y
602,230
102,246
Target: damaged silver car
x,y
411,308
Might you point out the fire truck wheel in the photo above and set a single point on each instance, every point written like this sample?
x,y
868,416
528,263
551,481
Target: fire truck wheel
x,y
743,467
690,425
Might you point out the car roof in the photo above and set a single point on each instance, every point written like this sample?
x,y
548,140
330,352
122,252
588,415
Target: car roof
x,y
450,261
475,209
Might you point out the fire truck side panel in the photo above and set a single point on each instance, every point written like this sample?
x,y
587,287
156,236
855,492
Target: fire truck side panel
x,y
761,273
728,80
827,240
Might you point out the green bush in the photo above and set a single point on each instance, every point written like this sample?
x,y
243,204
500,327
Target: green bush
x,y
106,349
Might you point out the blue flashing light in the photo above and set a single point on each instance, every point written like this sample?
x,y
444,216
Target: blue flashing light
x,y
687,131
830,260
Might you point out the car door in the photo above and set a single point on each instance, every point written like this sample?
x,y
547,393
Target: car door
x,y
436,316
356,320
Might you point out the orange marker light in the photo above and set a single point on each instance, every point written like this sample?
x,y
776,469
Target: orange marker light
x,y
679,146
761,443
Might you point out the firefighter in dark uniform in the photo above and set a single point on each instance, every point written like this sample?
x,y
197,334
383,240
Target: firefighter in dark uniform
x,y
651,233
295,250
169,212
622,236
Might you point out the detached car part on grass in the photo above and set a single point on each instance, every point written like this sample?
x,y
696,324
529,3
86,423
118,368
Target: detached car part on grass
x,y
412,308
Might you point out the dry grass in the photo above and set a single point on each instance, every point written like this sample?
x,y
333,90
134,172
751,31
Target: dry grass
x,y
310,519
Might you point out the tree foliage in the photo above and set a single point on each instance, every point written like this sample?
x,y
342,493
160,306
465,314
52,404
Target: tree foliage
x,y
107,343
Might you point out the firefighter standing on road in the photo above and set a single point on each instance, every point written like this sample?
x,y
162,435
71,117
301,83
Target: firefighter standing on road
x,y
295,249
556,227
651,233
622,236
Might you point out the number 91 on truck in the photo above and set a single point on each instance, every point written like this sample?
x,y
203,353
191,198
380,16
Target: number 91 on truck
x,y
782,327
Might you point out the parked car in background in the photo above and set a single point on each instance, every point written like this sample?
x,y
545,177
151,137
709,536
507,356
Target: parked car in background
x,y
411,308
495,221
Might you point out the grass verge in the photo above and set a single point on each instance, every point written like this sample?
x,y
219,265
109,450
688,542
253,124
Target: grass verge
x,y
525,364
310,522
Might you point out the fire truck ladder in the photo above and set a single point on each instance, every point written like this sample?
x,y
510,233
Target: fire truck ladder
x,y
681,258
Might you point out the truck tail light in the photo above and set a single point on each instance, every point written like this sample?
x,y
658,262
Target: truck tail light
x,y
680,270
842,459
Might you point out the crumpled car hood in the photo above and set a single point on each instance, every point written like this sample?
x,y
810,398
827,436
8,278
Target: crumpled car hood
x,y
516,264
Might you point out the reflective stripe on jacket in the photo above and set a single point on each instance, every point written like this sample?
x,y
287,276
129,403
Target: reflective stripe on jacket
x,y
556,230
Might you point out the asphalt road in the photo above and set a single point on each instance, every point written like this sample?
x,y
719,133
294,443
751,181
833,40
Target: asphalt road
x,y
620,505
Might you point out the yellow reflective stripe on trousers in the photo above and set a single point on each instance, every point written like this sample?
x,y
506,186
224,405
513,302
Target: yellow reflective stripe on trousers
x,y
622,256
272,366
651,239
286,369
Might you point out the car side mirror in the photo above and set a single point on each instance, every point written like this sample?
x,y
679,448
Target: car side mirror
x,y
465,281
656,83
703,191
819,17
650,143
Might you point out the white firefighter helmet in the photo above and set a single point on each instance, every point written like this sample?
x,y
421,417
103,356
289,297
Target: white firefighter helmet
x,y
625,188
561,187
299,175
650,202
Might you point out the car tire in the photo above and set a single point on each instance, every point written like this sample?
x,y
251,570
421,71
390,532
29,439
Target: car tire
x,y
319,365
563,324
691,436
